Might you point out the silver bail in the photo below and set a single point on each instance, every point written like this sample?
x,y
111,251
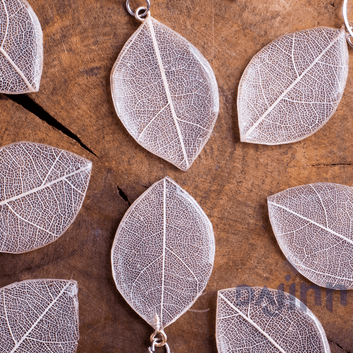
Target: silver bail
x,y
137,13
158,339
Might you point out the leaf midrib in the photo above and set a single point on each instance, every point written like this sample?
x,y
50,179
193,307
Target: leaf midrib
x,y
40,318
43,186
268,111
166,87
164,245
251,322
311,221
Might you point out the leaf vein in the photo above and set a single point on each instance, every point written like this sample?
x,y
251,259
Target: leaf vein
x,y
270,109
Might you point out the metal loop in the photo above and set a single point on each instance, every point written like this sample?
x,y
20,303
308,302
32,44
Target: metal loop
x,y
346,21
153,348
158,339
140,17
349,40
136,13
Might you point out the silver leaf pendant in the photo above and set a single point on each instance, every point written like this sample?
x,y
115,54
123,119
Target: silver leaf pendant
x,y
254,319
163,255
42,189
21,49
313,227
38,316
292,87
165,93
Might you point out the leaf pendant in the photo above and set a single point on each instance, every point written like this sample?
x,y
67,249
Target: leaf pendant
x,y
163,253
39,316
313,227
21,50
293,86
165,93
253,319
42,189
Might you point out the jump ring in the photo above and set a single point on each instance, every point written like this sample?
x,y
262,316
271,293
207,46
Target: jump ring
x,y
349,40
132,13
140,17
153,348
345,17
159,338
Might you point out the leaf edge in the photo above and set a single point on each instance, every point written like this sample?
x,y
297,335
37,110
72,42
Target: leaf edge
x,y
314,131
79,208
203,62
39,44
298,304
74,297
116,240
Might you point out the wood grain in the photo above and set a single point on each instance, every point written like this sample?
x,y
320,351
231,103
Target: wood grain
x,y
230,180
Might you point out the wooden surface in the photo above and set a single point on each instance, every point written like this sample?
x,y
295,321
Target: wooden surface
x,y
230,180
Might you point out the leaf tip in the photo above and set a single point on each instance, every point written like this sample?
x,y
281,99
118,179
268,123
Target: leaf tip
x,y
73,290
89,164
269,198
245,139
169,180
184,167
220,296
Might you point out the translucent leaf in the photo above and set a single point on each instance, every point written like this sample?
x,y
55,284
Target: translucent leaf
x,y
293,86
21,50
264,320
42,189
163,253
313,227
39,316
165,93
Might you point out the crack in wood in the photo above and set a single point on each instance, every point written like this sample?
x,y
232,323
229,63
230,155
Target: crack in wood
x,y
123,195
331,165
30,105
345,351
